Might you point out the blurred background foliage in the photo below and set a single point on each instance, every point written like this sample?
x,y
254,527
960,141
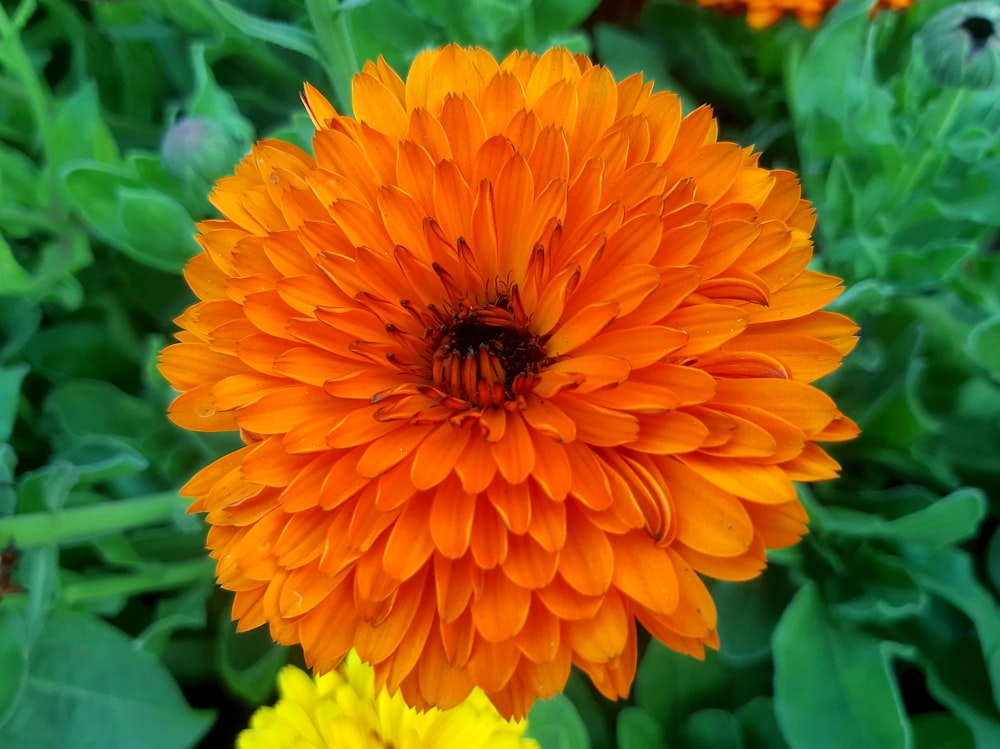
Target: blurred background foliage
x,y
880,630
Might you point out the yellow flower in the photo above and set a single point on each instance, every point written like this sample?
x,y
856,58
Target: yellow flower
x,y
340,710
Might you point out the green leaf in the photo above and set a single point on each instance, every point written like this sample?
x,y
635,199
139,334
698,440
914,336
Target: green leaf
x,y
186,610
101,458
949,573
159,232
592,709
8,497
941,731
79,132
77,350
877,587
711,729
993,560
273,32
14,279
211,100
626,52
973,197
748,614
834,686
83,408
951,519
983,346
958,681
577,42
637,729
400,41
893,412
19,321
760,726
38,574
14,644
853,100
46,488
93,188
10,396
88,686
555,724
919,270
670,686
248,662
554,16
148,226
19,186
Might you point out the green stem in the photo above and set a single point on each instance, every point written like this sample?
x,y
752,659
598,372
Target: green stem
x,y
336,48
82,523
13,55
154,577
959,98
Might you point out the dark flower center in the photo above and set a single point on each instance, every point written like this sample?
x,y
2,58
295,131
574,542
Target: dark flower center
x,y
980,30
484,354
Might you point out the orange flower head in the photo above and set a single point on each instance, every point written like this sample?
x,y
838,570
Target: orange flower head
x,y
517,356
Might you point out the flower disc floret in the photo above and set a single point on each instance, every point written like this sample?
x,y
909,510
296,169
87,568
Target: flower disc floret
x,y
517,355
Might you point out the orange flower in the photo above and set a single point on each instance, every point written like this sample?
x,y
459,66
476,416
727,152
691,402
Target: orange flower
x,y
763,13
516,356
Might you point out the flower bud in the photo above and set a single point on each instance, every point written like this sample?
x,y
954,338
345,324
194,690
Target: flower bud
x,y
961,46
201,146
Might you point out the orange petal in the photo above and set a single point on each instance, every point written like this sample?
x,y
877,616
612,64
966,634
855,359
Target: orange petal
x,y
501,609
539,638
553,470
707,518
581,327
488,542
196,410
599,426
515,452
476,466
493,663
453,585
512,503
603,636
644,572
391,448
565,602
451,520
587,561
548,524
669,433
756,483
376,643
410,543
528,564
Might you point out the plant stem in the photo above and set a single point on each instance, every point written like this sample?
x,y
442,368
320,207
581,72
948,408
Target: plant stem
x,y
15,58
153,577
336,47
959,98
83,523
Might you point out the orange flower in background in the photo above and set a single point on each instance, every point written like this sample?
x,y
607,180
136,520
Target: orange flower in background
x,y
517,355
763,13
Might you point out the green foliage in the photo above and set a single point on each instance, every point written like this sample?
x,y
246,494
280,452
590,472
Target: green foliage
x,y
881,629
833,686
83,684
556,724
